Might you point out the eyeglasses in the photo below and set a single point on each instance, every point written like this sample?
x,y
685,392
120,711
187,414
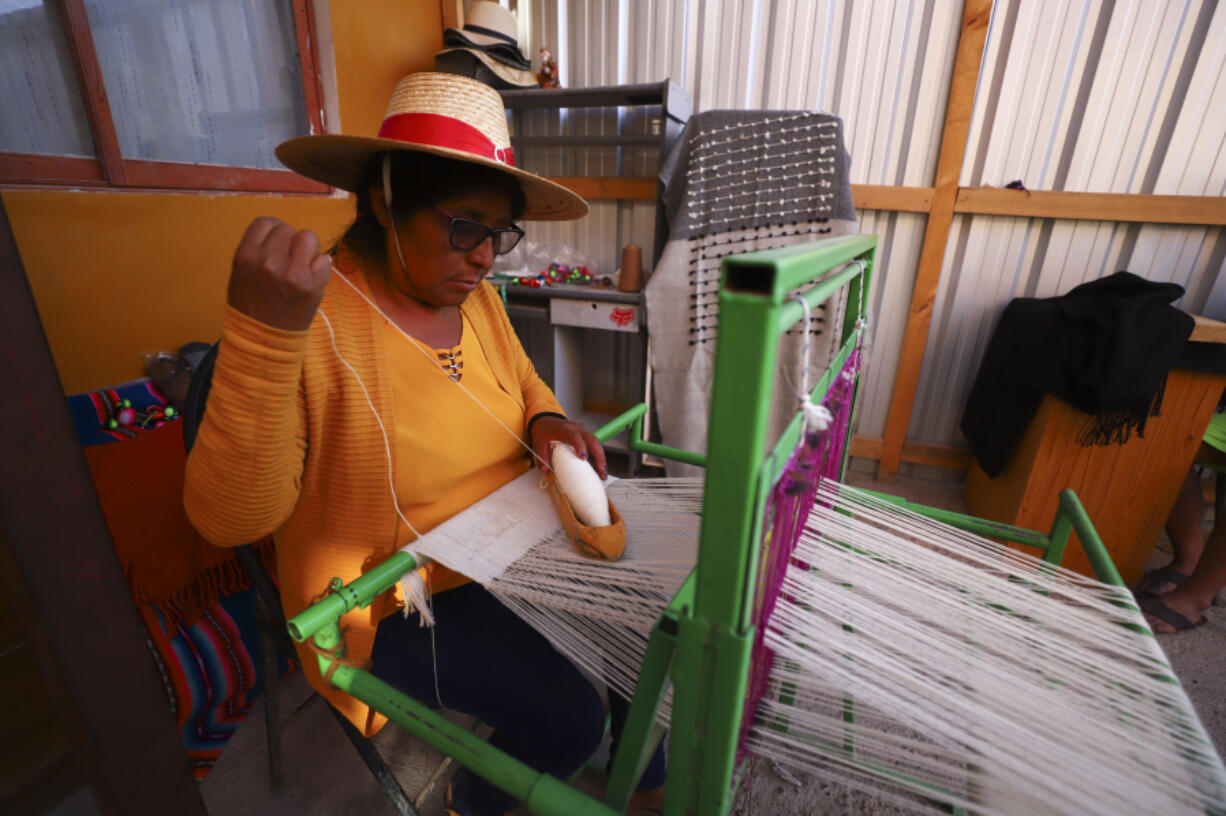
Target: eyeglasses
x,y
466,235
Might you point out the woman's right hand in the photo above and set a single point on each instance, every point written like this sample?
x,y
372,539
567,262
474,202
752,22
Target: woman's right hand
x,y
278,276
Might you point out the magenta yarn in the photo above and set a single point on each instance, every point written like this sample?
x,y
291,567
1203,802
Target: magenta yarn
x,y
818,456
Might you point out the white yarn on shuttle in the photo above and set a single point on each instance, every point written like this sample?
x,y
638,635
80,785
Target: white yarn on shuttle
x,y
581,486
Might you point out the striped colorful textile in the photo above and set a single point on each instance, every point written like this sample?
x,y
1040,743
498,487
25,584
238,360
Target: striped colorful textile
x,y
209,667
122,412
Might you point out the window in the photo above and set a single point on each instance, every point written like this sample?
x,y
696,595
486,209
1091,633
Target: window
x,y
177,94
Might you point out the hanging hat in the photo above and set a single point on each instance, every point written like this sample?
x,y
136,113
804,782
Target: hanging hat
x,y
508,55
470,62
489,28
441,114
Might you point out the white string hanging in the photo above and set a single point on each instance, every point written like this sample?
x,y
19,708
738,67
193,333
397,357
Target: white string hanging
x,y
817,417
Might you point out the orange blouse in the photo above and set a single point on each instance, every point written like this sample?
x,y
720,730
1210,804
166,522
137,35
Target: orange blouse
x,y
470,455
289,446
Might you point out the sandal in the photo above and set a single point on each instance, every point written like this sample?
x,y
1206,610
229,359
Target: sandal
x,y
1157,577
449,804
1154,605
647,803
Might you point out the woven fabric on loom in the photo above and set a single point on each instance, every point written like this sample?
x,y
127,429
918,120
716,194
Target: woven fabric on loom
x,y
738,181
209,671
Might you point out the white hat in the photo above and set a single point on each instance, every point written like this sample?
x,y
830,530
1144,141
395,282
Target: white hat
x,y
460,61
490,28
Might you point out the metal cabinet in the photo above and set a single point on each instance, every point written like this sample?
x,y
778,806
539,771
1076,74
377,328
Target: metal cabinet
x,y
605,143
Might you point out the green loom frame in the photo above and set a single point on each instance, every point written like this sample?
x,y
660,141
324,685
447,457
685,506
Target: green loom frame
x,y
702,642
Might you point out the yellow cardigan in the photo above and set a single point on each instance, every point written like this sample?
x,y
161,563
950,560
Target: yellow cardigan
x,y
289,446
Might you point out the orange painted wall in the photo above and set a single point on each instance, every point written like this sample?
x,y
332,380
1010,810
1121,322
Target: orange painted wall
x,y
116,274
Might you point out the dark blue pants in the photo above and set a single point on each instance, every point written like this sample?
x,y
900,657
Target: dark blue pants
x,y
494,666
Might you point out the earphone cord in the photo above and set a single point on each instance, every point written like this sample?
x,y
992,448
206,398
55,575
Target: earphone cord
x,y
434,363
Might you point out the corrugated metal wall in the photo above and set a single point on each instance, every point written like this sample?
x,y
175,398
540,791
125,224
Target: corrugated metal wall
x,y
1106,96
1093,95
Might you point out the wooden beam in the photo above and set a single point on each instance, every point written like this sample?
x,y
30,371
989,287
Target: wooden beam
x,y
864,196
975,17
93,89
308,65
199,177
604,187
453,13
59,568
891,199
1208,330
35,168
942,456
1153,209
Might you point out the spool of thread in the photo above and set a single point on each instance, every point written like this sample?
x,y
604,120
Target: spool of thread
x,y
630,279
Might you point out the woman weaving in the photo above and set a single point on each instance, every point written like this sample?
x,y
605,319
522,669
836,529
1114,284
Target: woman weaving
x,y
363,397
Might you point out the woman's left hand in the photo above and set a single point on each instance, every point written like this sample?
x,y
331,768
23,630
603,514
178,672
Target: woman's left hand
x,y
549,429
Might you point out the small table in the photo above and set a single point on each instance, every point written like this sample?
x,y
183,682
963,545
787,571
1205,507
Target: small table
x,y
1127,489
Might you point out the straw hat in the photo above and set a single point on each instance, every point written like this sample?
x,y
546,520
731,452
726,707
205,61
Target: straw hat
x,y
441,114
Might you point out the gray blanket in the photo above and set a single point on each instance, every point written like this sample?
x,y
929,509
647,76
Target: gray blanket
x,y
739,181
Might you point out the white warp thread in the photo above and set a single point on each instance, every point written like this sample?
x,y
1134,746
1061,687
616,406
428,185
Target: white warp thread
x,y
1011,685
1015,686
598,613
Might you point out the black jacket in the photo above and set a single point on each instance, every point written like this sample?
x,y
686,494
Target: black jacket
x,y
1105,348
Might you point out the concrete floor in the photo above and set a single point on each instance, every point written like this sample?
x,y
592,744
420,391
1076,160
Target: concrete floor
x,y
325,777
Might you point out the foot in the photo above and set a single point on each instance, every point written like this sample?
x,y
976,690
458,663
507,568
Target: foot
x,y
1161,580
1167,615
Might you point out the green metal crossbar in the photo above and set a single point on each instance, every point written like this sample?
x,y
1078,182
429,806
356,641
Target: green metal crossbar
x,y
702,643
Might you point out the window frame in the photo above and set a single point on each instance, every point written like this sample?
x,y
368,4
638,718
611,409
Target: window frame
x,y
108,169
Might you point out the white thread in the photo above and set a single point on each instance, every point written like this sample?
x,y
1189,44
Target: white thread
x,y
821,144
772,159
974,669
417,596
387,447
816,417
758,125
706,202
762,188
581,486
413,586
862,320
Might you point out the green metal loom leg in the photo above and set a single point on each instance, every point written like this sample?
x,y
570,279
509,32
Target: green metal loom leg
x,y
642,733
545,795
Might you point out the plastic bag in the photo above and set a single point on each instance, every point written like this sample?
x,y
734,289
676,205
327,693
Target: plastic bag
x,y
530,259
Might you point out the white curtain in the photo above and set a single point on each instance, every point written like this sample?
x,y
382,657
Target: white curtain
x,y
43,111
204,81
